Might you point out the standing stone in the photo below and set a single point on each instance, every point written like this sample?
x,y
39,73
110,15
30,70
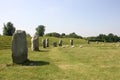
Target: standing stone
x,y
54,44
88,42
97,42
35,43
19,47
47,42
71,42
43,43
60,43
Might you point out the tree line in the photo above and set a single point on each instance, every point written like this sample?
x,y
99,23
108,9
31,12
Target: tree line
x,y
105,38
9,29
63,35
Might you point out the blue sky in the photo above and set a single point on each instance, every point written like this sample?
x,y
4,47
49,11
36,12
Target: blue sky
x,y
84,17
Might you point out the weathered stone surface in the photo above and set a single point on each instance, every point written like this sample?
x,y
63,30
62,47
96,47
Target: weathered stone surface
x,y
88,42
97,42
54,44
35,43
47,42
60,43
43,43
19,47
71,42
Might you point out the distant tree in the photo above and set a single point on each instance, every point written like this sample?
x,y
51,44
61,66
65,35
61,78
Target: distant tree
x,y
8,29
110,37
107,38
63,34
116,38
28,35
53,34
102,37
40,30
74,35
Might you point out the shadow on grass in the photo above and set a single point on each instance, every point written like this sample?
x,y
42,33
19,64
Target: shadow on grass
x,y
35,63
42,50
30,63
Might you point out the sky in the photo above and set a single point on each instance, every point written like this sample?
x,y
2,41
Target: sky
x,y
84,17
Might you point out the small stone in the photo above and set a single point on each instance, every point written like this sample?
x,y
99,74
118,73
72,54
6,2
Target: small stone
x,y
60,43
71,42
31,64
43,43
47,42
73,46
54,44
81,46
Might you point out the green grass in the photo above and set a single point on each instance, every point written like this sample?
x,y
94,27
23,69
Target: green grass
x,y
5,41
91,62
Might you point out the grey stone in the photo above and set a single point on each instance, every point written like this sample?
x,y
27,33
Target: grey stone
x,y
97,42
43,43
47,42
19,47
88,42
54,44
71,42
60,43
35,42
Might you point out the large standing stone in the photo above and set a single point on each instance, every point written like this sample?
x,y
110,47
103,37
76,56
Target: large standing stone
x,y
35,43
71,42
47,42
43,43
19,47
60,43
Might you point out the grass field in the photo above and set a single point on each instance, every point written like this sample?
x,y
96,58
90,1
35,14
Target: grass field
x,y
91,62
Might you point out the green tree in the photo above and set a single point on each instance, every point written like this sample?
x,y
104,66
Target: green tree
x,y
74,35
40,30
101,37
106,38
116,38
53,34
8,29
110,37
63,35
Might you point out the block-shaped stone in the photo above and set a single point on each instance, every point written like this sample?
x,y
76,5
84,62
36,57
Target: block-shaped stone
x,y
35,43
19,47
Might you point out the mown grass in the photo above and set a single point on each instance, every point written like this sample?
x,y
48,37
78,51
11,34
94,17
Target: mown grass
x,y
91,62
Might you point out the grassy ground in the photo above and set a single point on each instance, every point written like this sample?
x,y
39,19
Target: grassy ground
x,y
5,41
91,62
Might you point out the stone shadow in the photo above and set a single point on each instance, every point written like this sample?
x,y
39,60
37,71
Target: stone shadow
x,y
30,63
35,63
44,50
